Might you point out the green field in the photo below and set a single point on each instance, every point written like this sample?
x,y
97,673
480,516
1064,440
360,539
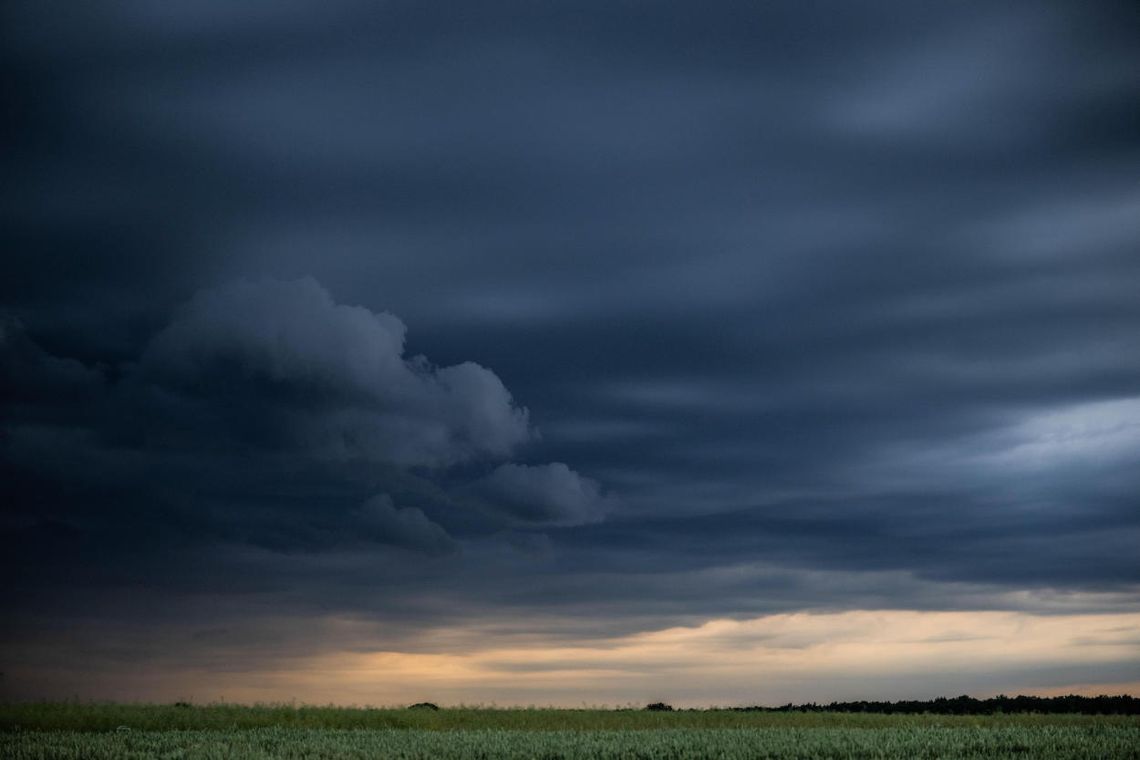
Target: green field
x,y
227,731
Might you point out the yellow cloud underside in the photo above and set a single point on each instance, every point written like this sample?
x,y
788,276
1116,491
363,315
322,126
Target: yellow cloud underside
x,y
766,660
741,660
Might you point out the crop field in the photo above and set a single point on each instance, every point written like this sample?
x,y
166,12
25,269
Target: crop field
x,y
224,731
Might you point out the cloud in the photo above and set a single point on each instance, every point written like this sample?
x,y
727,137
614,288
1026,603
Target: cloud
x,y
771,659
263,415
380,520
31,376
329,528
844,293
282,360
547,494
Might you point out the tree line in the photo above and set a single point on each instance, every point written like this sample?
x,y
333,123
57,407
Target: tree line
x,y
965,705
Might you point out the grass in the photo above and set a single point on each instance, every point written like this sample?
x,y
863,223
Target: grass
x,y
78,716
97,731
728,744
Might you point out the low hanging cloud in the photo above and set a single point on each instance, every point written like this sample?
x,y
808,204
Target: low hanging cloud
x,y
267,415
846,321
373,527
379,520
30,376
547,494
281,361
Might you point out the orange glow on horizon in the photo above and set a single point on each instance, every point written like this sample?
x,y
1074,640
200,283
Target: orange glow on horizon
x,y
768,660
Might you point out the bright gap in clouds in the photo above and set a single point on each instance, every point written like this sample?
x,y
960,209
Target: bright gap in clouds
x,y
799,657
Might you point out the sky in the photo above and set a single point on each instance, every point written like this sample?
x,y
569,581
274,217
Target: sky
x,y
569,353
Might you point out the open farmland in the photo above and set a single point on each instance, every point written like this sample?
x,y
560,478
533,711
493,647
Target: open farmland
x,y
146,731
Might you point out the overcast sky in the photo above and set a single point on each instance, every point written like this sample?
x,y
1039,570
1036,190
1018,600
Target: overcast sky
x,y
532,334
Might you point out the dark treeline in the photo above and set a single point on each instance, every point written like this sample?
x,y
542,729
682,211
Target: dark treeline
x,y
1103,705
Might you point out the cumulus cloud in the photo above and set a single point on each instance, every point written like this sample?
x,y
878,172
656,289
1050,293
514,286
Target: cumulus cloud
x,y
259,416
381,521
329,378
30,375
547,494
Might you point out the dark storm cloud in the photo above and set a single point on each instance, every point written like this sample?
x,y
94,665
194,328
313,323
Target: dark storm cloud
x,y
551,494
283,362
34,378
381,520
263,415
823,305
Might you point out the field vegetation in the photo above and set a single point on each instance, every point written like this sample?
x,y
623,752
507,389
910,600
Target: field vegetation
x,y
105,731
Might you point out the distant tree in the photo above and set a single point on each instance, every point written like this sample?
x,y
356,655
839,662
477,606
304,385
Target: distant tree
x,y
965,705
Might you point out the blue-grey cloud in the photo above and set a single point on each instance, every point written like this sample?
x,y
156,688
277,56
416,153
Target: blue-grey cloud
x,y
379,519
329,378
839,299
548,494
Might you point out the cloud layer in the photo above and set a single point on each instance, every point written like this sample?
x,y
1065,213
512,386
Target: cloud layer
x,y
817,306
266,414
543,494
288,364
